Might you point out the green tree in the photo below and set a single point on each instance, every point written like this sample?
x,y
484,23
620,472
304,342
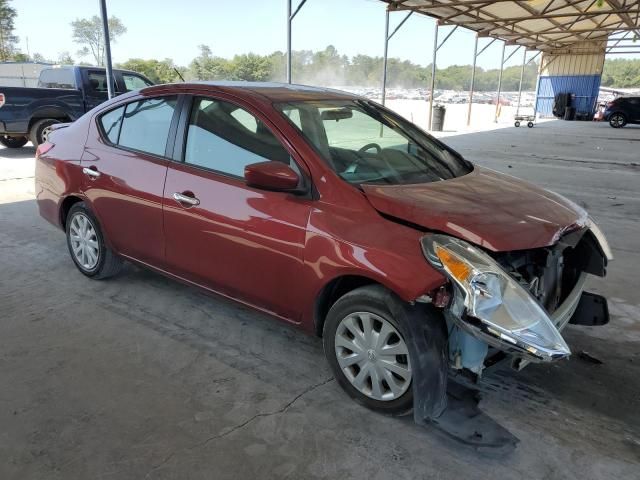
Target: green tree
x,y
158,71
87,32
207,67
64,58
8,40
250,67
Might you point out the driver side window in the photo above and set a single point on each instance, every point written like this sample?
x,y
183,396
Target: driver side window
x,y
226,138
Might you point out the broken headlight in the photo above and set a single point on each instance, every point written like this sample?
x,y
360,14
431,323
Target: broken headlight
x,y
502,312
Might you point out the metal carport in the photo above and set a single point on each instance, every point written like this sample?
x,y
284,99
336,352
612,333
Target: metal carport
x,y
562,30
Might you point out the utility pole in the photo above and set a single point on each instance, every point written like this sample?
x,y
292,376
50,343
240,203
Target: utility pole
x,y
107,47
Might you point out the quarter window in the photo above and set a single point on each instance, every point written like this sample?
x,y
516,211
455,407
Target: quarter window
x,y
111,123
227,138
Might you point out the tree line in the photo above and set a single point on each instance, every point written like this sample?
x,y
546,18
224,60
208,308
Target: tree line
x,y
325,67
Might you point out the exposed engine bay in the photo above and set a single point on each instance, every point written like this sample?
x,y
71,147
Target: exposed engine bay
x,y
554,276
551,273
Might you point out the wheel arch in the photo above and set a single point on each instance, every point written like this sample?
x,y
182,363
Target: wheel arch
x,y
54,113
65,207
332,291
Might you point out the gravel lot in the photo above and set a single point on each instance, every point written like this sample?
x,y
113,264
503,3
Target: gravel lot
x,y
141,377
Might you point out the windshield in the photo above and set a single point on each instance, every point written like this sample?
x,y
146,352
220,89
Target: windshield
x,y
366,143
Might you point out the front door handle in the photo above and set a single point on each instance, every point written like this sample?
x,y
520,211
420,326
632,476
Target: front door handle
x,y
91,172
189,200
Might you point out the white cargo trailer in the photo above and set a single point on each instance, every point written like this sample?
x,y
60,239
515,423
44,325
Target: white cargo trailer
x,y
16,74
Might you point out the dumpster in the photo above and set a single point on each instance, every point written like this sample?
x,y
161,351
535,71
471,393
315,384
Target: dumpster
x,y
437,121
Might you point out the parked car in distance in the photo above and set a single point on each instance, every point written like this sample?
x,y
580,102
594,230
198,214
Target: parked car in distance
x,y
63,94
332,213
622,110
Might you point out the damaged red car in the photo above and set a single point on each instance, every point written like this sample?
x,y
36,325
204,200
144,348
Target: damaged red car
x,y
333,213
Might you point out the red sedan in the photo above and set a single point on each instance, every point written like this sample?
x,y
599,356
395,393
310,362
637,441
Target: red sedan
x,y
331,212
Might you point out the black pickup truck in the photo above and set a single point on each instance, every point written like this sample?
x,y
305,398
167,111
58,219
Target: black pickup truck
x,y
63,95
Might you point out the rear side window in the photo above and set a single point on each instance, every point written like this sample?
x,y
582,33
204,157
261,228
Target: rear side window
x,y
98,82
57,78
142,125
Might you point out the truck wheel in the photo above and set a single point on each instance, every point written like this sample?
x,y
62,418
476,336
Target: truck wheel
x,y
13,142
40,130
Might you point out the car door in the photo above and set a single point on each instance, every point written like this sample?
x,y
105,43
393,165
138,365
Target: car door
x,y
95,88
220,233
125,166
634,109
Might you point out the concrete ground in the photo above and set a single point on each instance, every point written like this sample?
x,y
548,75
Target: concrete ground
x,y
141,377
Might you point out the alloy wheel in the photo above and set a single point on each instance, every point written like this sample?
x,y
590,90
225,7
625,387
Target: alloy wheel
x,y
617,121
373,356
84,241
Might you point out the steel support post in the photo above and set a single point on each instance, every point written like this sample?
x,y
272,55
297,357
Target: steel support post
x,y
107,47
524,62
388,37
504,45
290,17
384,58
433,74
289,41
473,80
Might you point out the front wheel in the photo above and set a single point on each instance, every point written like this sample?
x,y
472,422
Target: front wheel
x,y
13,142
365,347
87,246
617,120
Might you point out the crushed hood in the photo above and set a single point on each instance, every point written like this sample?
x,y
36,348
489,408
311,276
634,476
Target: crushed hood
x,y
492,210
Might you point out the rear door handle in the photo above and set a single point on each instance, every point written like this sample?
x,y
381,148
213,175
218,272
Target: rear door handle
x,y
189,200
91,172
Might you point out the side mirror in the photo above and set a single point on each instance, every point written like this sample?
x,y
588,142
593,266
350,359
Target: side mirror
x,y
274,176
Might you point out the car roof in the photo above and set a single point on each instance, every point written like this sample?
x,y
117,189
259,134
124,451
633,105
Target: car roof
x,y
277,92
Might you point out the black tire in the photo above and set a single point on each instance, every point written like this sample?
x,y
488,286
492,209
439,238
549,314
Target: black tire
x,y
108,263
618,120
517,124
37,134
530,124
371,299
13,142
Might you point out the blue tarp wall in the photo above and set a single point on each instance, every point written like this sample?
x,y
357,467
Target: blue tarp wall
x,y
584,87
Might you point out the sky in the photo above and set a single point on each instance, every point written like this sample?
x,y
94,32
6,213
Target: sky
x,y
169,29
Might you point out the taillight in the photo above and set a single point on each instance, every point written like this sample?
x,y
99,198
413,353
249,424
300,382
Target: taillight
x,y
2,99
43,148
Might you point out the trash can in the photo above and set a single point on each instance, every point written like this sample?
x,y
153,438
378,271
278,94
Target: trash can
x,y
570,113
437,121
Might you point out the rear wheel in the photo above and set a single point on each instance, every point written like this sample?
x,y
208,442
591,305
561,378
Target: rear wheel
x,y
530,124
87,246
617,120
13,142
365,347
39,132
517,123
